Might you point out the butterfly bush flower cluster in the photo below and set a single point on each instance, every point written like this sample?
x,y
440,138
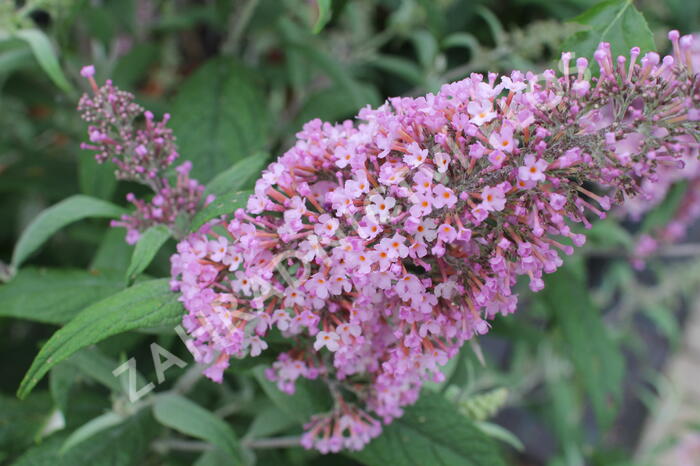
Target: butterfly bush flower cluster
x,y
377,247
141,153
655,189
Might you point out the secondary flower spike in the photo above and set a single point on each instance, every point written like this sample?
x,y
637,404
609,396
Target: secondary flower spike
x,y
141,153
378,247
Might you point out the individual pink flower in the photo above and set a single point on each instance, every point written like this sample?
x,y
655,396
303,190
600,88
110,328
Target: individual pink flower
x,y
443,197
422,205
497,158
426,230
369,228
481,112
319,285
493,198
257,345
446,233
327,339
326,225
381,207
533,170
416,155
348,332
442,160
503,140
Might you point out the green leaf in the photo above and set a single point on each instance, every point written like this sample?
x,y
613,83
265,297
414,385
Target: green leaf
x,y
90,429
58,216
147,304
148,245
54,296
426,48
15,58
135,64
497,31
615,21
309,398
99,367
323,15
462,39
46,56
114,253
500,433
61,379
125,444
610,233
191,419
664,319
96,179
219,117
298,42
430,432
22,421
269,421
401,67
213,457
224,204
597,359
240,176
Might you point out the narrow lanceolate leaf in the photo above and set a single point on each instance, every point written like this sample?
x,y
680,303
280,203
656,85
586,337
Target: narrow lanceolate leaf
x,y
191,419
54,296
22,421
148,245
323,15
269,421
147,304
46,56
58,216
240,176
95,179
431,432
309,397
597,359
90,429
219,117
615,21
94,364
124,444
224,204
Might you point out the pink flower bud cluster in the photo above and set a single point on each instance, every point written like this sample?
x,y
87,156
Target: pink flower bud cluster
x,y
164,208
376,248
142,149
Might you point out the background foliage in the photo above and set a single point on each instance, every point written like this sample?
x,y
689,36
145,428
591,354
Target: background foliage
x,y
567,381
